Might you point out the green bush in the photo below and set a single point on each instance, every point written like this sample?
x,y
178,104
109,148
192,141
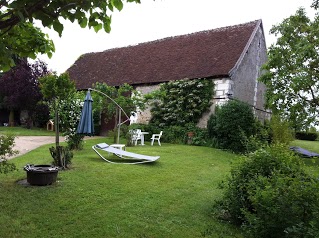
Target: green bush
x,y
232,125
280,131
174,134
6,149
284,206
62,156
300,135
270,195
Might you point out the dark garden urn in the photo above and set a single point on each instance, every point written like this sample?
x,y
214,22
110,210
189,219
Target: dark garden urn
x,y
41,175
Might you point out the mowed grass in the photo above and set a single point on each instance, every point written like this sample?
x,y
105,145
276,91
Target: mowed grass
x,y
172,197
313,146
20,131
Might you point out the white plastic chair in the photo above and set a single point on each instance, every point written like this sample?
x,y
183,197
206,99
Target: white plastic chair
x,y
135,135
156,137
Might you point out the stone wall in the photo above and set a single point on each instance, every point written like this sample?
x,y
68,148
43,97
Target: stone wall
x,y
145,116
246,87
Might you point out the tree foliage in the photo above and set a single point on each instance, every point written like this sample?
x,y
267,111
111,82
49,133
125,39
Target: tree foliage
x,y
292,76
125,96
19,37
19,88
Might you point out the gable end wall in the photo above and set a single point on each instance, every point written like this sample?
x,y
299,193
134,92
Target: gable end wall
x,y
246,88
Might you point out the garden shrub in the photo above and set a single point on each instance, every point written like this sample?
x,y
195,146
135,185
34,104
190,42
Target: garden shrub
x,y
300,135
69,116
270,195
232,125
62,156
6,149
259,140
280,131
174,134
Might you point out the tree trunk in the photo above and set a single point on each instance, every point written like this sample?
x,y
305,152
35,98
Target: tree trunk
x,y
11,118
56,127
57,134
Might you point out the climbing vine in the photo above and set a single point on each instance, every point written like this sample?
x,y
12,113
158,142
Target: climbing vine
x,y
180,102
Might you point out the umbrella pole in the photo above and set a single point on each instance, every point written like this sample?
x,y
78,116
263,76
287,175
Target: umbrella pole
x,y
118,128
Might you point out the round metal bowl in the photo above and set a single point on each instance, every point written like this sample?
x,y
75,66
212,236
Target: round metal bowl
x,y
41,175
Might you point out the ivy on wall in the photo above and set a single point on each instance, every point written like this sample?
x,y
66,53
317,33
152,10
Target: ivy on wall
x,y
180,102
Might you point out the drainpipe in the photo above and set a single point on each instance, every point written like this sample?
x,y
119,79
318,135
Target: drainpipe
x,y
256,77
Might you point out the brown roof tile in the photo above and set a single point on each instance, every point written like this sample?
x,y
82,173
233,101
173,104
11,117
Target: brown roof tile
x,y
210,53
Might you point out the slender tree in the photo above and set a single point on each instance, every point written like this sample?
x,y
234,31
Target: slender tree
x,y
56,88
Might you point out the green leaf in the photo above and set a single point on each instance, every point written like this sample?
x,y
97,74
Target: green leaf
x,y
107,27
32,55
58,27
97,27
118,4
83,22
20,15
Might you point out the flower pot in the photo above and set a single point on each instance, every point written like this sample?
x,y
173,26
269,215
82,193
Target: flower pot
x,y
41,175
190,136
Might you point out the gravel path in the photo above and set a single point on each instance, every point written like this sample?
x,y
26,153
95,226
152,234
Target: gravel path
x,y
24,144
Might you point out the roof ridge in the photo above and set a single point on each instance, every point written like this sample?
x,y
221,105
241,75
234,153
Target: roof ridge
x,y
177,36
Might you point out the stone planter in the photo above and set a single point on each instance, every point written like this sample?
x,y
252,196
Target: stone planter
x,y
41,175
190,136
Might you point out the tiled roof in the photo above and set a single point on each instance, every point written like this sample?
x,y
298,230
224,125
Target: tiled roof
x,y
211,53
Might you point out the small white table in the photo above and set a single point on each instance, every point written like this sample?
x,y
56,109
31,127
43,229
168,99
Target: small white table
x,y
119,146
142,136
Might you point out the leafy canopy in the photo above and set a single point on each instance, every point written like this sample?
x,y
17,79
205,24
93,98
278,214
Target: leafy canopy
x,y
19,87
292,69
20,38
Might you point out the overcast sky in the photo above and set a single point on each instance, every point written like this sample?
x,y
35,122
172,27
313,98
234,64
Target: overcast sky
x,y
152,20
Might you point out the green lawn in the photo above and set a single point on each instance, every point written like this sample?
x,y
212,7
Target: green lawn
x,y
170,198
20,131
312,146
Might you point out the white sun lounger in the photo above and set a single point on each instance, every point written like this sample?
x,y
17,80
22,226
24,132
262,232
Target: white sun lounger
x,y
137,158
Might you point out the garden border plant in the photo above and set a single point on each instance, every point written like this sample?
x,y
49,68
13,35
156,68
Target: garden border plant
x,y
6,149
270,195
234,127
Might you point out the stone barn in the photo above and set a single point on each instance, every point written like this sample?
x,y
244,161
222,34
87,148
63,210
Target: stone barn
x,y
231,56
